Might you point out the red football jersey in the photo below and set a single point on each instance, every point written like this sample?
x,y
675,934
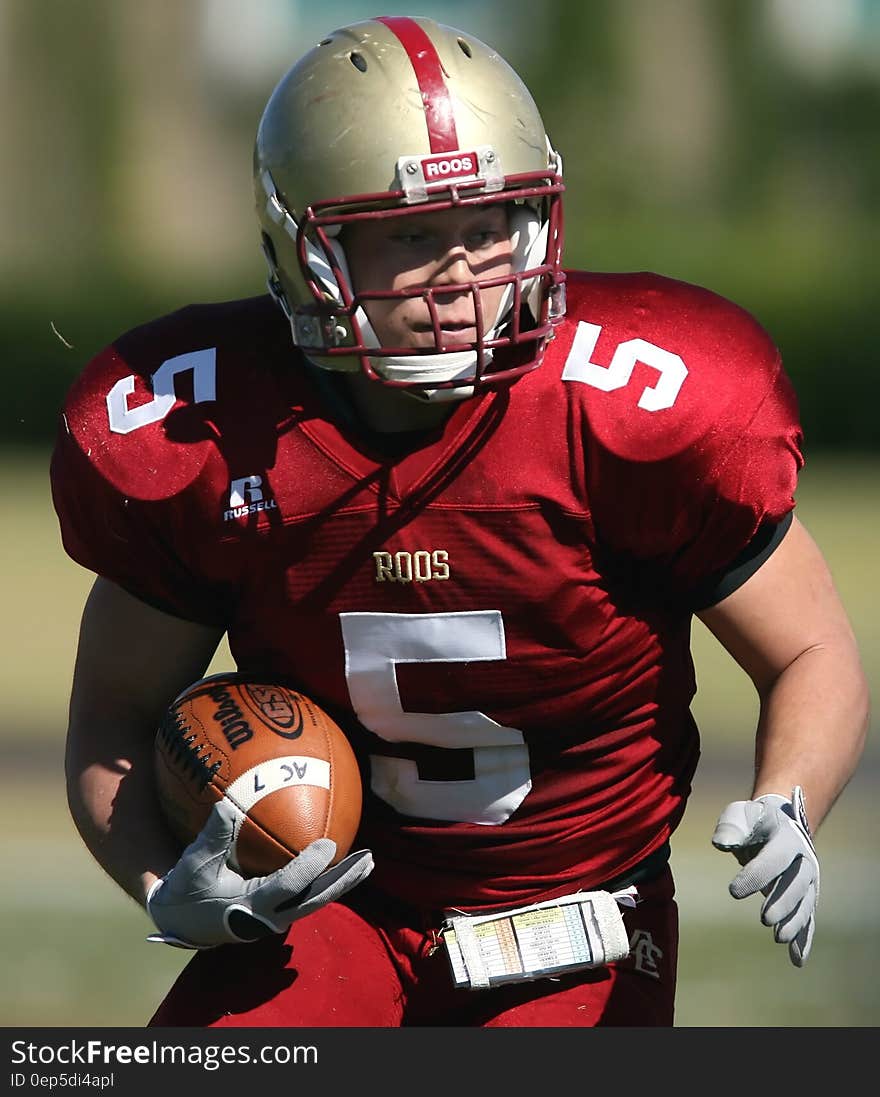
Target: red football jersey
x,y
500,617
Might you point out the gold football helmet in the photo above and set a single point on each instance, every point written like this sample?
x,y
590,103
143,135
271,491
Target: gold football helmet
x,y
388,117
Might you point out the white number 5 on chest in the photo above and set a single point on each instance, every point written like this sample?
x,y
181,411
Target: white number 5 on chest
x,y
374,644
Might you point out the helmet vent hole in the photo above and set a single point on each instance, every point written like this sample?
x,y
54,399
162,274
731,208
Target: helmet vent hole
x,y
465,48
359,61
325,41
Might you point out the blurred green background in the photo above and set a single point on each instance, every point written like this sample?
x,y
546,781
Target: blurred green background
x,y
733,143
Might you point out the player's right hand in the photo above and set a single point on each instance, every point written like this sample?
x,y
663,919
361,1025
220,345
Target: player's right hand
x,y
202,902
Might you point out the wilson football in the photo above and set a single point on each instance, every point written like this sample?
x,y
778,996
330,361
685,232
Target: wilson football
x,y
271,750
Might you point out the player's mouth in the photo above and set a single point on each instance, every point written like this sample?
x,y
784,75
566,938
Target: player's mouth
x,y
450,331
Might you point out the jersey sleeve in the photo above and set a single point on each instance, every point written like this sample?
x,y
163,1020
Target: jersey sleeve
x,y
125,503
682,497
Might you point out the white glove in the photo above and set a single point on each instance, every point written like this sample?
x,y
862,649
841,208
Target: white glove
x,y
202,902
771,838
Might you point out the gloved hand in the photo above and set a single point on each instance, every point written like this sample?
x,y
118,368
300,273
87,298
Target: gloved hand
x,y
770,837
202,902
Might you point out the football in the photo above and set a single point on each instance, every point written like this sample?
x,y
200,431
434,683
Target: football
x,y
271,750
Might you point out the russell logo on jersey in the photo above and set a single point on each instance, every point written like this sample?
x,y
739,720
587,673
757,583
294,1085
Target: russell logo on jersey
x,y
246,497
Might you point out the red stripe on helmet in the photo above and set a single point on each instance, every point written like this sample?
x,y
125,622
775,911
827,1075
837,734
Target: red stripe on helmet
x,y
432,81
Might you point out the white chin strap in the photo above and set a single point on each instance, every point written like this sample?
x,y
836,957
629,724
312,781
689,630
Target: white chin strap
x,y
529,240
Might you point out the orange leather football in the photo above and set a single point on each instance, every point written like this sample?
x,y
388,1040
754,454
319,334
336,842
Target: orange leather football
x,y
271,750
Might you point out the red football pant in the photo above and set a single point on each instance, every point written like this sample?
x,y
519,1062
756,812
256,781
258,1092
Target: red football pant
x,y
362,963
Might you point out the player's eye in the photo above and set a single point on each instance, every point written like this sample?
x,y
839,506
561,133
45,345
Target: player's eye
x,y
483,238
412,238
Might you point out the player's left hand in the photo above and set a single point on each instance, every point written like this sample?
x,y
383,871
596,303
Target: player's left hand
x,y
770,837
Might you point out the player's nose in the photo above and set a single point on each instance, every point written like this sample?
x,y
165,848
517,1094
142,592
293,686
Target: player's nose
x,y
454,265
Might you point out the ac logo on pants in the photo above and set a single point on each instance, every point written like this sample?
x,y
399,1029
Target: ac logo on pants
x,y
645,954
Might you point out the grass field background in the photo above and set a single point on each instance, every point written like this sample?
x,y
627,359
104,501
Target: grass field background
x,y
74,949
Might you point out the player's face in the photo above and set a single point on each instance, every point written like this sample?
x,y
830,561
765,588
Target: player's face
x,y
444,248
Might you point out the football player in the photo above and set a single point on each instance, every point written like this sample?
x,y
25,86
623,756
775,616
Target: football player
x,y
469,501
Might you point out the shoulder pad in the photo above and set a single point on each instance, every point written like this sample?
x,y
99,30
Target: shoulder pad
x,y
661,362
147,411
